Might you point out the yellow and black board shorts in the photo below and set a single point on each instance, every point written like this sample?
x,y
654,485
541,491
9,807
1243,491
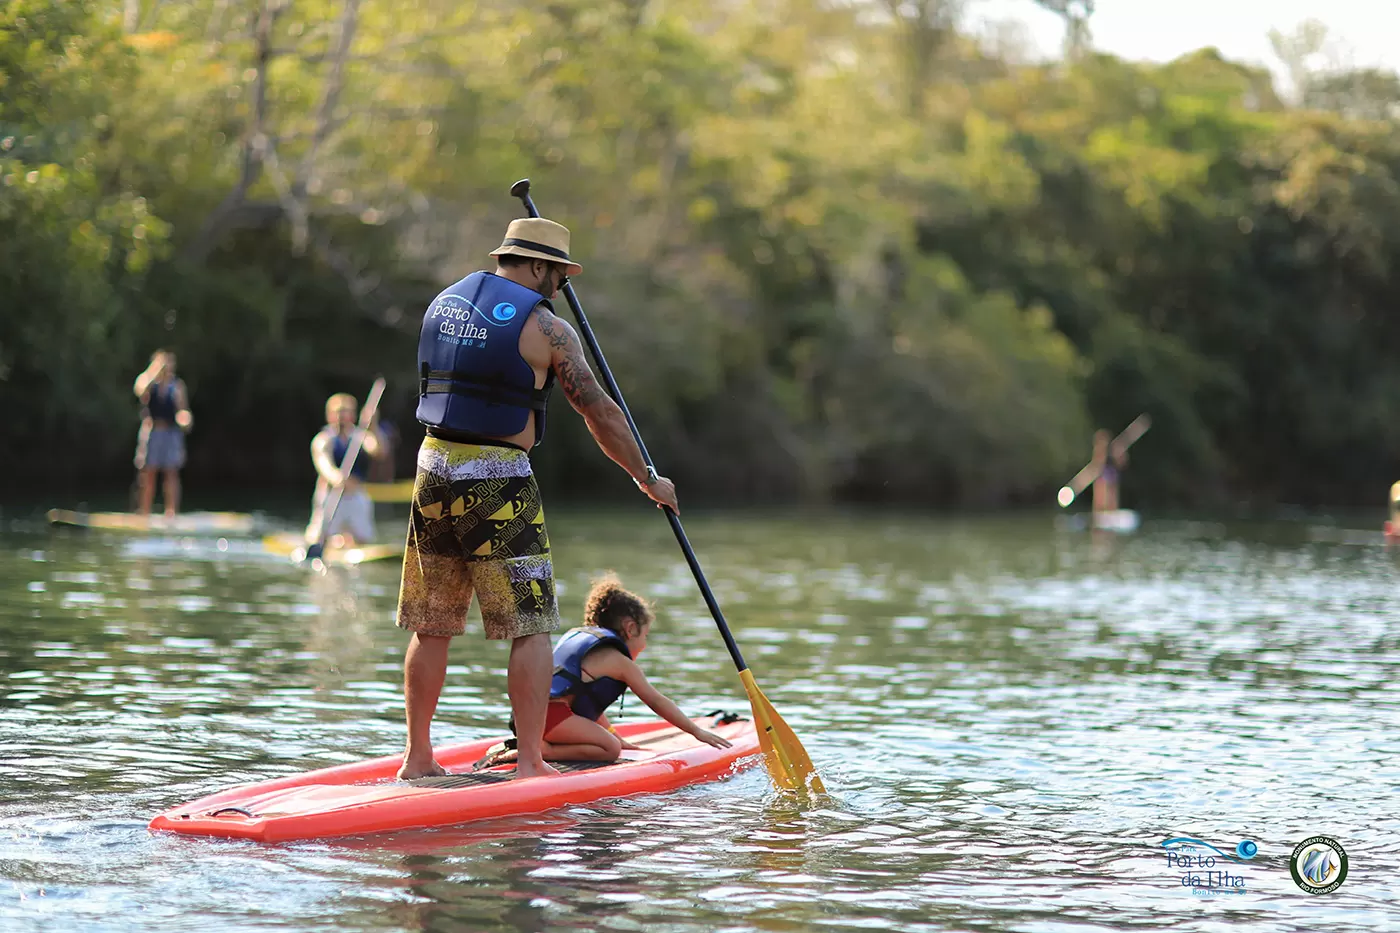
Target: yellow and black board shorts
x,y
476,526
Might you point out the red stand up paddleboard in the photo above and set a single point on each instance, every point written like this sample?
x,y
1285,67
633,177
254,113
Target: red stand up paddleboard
x,y
350,800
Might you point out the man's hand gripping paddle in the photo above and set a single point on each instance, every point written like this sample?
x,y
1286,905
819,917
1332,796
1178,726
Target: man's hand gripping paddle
x,y
788,762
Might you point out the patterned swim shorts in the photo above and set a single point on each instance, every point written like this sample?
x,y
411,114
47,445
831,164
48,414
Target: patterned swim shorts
x,y
476,526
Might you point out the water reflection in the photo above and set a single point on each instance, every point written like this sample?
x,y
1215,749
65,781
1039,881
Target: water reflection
x,y
1010,718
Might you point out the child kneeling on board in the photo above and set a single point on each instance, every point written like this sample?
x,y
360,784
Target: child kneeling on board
x,y
593,666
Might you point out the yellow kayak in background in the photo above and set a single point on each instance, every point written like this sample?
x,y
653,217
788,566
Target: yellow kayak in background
x,y
186,523
293,546
397,491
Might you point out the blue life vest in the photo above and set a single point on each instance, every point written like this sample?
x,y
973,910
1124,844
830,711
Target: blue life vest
x,y
160,406
340,446
588,698
474,381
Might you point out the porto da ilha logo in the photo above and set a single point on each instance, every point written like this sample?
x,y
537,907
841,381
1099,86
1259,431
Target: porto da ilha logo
x,y
1318,864
1207,870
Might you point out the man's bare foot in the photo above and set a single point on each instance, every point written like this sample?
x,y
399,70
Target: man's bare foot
x,y
417,768
540,768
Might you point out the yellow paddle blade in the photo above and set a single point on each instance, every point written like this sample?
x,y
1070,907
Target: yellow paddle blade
x,y
788,763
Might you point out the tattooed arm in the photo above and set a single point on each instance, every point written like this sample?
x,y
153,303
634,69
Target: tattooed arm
x,y
605,419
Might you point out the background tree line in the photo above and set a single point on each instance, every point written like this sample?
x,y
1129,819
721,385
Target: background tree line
x,y
834,250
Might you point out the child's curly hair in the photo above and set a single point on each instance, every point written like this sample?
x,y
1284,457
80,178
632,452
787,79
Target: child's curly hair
x,y
609,603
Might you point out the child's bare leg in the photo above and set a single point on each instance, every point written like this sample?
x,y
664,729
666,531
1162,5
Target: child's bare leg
x,y
577,752
579,739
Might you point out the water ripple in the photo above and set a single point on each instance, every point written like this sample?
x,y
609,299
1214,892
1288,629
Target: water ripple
x,y
1011,720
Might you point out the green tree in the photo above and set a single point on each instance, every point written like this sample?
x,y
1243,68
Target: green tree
x,y
74,255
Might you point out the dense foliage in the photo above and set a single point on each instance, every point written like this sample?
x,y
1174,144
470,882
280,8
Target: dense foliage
x,y
833,249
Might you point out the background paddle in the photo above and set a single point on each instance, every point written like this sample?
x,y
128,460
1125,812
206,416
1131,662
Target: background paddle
x,y
788,762
332,501
1092,469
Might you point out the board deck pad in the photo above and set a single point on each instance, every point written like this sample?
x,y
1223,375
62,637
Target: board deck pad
x,y
497,775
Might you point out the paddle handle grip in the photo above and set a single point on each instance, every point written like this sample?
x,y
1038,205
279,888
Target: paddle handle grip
x,y
521,190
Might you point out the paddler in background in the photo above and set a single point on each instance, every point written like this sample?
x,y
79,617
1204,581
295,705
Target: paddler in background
x,y
353,522
160,445
1110,458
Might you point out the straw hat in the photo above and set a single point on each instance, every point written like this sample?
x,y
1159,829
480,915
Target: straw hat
x,y
537,238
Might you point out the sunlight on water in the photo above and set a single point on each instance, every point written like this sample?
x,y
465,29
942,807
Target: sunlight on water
x,y
1010,721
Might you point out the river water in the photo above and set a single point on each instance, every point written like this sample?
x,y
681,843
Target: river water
x,y
1011,720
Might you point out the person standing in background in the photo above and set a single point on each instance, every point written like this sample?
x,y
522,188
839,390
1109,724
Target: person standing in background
x,y
1112,457
165,417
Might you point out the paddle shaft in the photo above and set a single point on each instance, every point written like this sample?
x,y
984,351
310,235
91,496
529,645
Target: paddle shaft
x,y
616,394
1129,435
347,464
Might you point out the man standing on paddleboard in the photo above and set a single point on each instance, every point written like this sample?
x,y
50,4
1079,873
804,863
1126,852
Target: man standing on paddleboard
x,y
490,350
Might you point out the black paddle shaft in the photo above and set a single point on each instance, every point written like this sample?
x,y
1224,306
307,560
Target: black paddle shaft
x,y
521,190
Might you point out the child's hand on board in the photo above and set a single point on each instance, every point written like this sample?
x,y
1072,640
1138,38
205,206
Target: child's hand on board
x,y
709,738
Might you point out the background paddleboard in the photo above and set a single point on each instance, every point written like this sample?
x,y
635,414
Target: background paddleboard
x,y
293,547
1122,521
397,491
188,523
